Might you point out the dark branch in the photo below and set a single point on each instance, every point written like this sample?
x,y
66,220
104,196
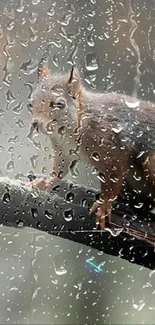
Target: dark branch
x,y
65,213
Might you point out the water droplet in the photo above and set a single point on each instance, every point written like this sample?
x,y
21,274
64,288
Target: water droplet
x,y
102,177
1,32
62,130
95,156
84,203
56,60
137,177
11,149
82,218
134,217
20,6
6,198
18,108
90,40
90,27
68,215
33,17
7,71
10,166
31,177
35,2
31,139
132,104
51,12
139,135
126,223
117,129
24,42
23,20
33,34
34,213
34,161
56,188
30,87
48,215
29,67
140,306
11,25
49,127
94,171
91,13
91,62
20,223
1,112
10,43
106,34
90,78
72,54
141,153
10,97
101,37
114,232
55,42
151,273
13,139
70,197
59,266
139,205
10,14
113,178
65,19
20,123
73,168
60,174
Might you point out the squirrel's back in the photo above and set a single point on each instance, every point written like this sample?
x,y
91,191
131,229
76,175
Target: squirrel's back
x,y
131,120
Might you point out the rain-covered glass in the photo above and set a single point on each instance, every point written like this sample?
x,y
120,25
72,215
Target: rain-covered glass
x,y
45,279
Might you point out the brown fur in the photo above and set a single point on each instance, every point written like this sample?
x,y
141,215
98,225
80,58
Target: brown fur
x,y
108,131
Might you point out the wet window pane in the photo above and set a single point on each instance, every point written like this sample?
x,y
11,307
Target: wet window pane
x,y
51,271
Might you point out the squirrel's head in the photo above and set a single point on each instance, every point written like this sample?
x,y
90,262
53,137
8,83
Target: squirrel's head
x,y
55,101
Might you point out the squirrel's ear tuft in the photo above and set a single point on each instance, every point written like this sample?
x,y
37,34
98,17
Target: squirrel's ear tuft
x,y
43,70
74,80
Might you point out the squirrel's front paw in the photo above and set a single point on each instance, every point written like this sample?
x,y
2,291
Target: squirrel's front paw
x,y
103,209
40,183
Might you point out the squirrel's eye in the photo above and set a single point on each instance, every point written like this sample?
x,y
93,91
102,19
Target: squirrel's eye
x,y
61,103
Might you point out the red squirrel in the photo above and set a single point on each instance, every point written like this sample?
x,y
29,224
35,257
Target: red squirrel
x,y
109,131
